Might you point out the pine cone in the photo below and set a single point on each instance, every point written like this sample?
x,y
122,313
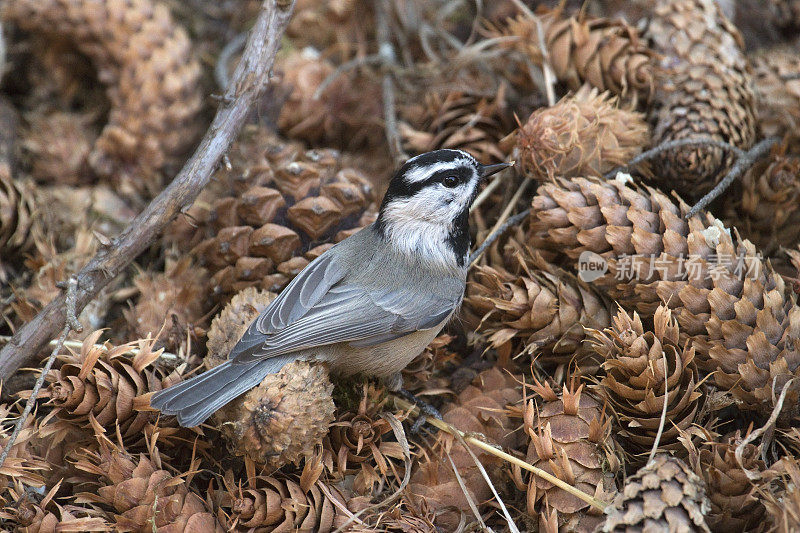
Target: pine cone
x,y
571,439
288,414
664,495
347,114
767,210
335,27
586,133
142,495
152,78
636,381
480,409
736,504
457,120
272,504
104,384
56,146
743,321
272,213
607,54
356,441
536,308
704,88
31,517
171,303
282,420
778,96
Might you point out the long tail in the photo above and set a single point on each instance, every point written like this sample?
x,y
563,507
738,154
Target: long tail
x,y
195,399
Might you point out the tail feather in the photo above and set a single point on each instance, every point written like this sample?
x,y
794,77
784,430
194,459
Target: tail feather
x,y
194,400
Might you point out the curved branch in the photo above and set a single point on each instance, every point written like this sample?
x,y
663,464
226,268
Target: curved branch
x,y
248,81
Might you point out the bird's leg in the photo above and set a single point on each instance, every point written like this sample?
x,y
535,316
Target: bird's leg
x,y
395,384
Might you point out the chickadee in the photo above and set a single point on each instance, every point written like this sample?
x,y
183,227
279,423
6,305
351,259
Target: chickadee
x,y
368,305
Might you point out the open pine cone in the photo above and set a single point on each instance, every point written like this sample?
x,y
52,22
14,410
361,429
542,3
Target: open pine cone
x,y
664,495
736,504
274,211
704,88
743,320
607,54
266,503
777,89
460,121
570,437
142,495
537,309
768,210
636,381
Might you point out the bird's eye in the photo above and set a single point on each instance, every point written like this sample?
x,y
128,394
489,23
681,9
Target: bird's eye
x,y
450,181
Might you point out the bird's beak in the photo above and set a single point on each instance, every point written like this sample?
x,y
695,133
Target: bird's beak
x,y
487,170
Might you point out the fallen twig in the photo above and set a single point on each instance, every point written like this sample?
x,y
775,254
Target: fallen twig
x,y
34,393
744,160
388,57
444,426
250,77
497,233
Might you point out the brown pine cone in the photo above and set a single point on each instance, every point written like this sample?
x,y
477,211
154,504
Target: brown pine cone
x,y
282,420
777,90
743,321
280,504
30,516
288,414
141,494
736,504
480,409
273,212
536,308
105,384
152,77
768,209
607,54
636,382
171,304
571,439
346,115
585,133
359,448
664,495
335,27
458,120
704,88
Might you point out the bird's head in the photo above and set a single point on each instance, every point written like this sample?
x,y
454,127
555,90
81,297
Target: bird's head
x,y
425,212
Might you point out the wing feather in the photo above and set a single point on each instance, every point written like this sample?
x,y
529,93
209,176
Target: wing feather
x,y
318,308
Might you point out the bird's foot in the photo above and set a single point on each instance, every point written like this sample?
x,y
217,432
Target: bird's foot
x,y
424,407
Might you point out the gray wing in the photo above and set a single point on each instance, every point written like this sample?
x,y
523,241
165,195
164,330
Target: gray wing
x,y
343,313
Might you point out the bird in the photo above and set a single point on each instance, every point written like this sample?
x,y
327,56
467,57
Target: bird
x,y
370,303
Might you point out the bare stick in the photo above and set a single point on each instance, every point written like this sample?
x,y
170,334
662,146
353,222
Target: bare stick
x,y
249,79
493,450
34,393
71,303
671,145
744,161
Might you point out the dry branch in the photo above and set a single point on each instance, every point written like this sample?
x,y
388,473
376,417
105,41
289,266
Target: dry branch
x,y
249,80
